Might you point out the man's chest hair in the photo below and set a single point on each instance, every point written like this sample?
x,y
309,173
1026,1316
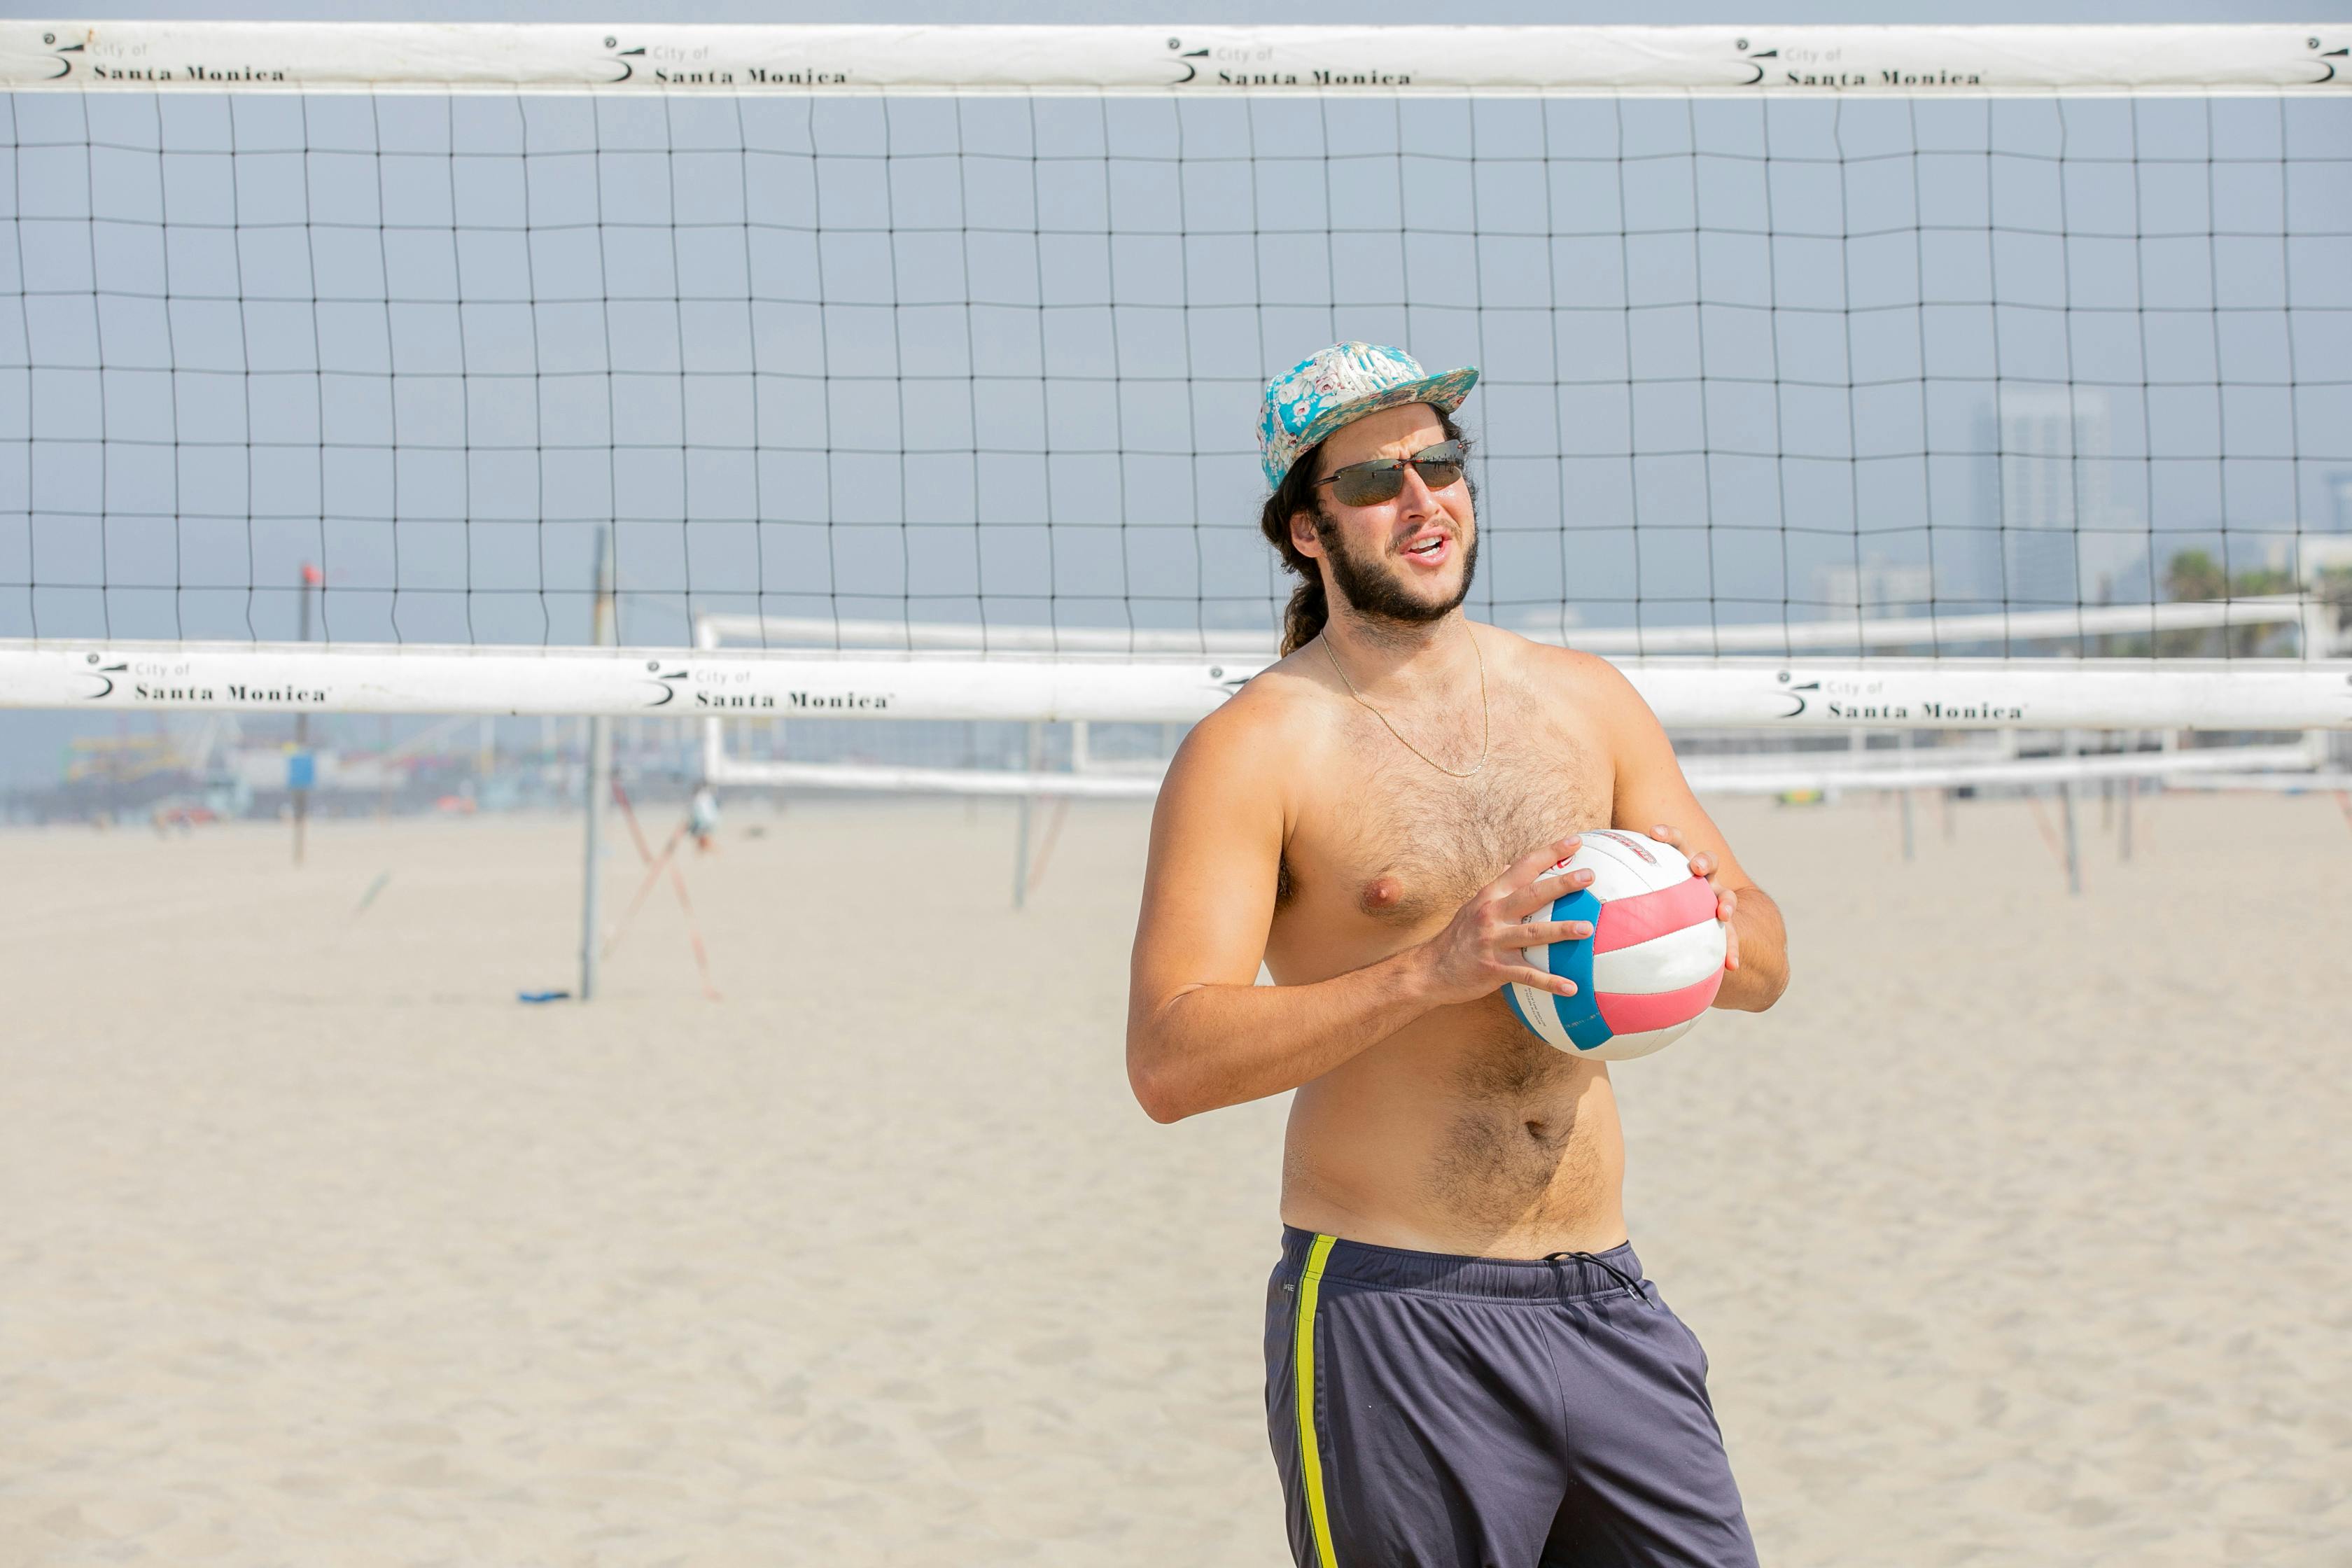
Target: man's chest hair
x,y
1402,842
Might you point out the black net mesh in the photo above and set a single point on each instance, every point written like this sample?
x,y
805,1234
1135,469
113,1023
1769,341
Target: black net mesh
x,y
997,360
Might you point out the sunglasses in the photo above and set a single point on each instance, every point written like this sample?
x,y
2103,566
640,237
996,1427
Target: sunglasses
x,y
1368,484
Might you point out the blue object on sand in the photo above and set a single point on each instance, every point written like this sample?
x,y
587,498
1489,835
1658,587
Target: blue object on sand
x,y
542,995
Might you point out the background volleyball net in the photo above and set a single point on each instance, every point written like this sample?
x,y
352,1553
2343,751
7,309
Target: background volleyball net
x,y
1963,377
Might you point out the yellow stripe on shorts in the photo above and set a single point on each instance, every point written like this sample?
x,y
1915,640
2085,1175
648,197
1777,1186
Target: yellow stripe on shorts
x,y
1310,1457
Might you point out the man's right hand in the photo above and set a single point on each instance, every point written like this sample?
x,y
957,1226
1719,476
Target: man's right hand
x,y
1479,951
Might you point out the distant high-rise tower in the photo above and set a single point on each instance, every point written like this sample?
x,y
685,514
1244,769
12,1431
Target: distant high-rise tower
x,y
2048,495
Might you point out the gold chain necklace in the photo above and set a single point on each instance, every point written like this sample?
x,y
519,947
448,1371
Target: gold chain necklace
x,y
1486,740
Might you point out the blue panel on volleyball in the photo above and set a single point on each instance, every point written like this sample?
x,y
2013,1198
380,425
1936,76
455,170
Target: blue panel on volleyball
x,y
1579,1014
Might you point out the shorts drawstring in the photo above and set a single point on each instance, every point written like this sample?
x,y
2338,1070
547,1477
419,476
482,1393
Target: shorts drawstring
x,y
1633,1286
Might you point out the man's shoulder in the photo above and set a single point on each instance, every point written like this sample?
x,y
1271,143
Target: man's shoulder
x,y
1247,760
1272,721
1607,704
1564,671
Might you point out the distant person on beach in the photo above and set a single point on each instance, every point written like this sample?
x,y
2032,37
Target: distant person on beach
x,y
1465,1363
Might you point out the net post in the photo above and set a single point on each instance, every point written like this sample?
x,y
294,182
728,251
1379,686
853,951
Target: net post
x,y
1037,762
1907,845
299,765
599,776
2067,790
2124,819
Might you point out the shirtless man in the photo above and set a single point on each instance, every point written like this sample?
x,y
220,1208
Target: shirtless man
x,y
1465,1364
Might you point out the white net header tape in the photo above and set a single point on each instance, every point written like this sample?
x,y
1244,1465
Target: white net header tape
x,y
1939,694
1180,61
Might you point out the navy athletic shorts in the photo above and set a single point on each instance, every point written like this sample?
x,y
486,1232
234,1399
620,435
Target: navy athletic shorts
x,y
1490,1412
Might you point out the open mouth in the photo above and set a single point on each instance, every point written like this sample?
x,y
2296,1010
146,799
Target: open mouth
x,y
1429,550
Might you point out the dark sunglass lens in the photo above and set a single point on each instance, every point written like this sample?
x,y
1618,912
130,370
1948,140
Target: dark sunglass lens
x,y
1440,465
1368,484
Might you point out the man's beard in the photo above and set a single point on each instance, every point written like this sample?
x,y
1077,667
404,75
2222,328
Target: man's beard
x,y
1375,593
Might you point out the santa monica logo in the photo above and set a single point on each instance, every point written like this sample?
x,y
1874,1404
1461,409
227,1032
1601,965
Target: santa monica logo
x,y
1253,65
676,65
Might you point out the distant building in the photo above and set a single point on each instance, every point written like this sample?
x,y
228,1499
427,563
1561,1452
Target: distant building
x,y
2314,555
1874,587
2056,530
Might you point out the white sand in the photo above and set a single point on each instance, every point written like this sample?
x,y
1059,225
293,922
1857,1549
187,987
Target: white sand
x,y
2020,1234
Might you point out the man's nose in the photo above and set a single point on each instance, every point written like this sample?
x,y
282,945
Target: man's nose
x,y
1416,500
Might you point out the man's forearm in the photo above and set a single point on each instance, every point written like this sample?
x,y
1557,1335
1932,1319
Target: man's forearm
x,y
1763,972
1213,1045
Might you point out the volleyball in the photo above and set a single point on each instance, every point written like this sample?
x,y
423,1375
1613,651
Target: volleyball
x,y
1653,964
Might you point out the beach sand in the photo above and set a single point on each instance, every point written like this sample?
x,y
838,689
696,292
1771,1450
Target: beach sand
x,y
2021,1232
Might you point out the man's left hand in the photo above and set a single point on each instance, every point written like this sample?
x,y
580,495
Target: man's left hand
x,y
1727,899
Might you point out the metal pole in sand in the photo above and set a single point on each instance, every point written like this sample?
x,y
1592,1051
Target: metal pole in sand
x,y
1905,743
599,776
2127,791
300,767
2066,797
1028,811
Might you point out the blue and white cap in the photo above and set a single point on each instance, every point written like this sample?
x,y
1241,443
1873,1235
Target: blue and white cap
x,y
1339,386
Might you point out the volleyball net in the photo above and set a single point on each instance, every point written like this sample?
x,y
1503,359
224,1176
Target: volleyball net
x,y
1924,377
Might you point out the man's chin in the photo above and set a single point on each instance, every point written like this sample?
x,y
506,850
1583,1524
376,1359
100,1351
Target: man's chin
x,y
1396,593
1407,603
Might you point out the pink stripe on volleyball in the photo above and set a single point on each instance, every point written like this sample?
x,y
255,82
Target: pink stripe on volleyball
x,y
1624,921
1660,1009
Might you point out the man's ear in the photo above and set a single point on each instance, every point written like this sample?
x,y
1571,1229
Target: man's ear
x,y
1303,535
